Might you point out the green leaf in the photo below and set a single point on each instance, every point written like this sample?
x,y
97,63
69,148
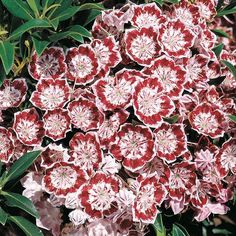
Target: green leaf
x,y
34,6
18,8
31,24
64,4
221,231
2,74
226,11
179,230
91,16
22,164
218,49
7,55
172,1
80,30
89,6
17,200
160,2
159,227
39,45
3,216
231,67
220,33
233,118
172,119
67,13
29,228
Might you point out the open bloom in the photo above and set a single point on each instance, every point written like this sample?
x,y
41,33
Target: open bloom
x,y
28,127
50,94
12,93
150,104
63,178
98,196
56,124
134,146
6,145
51,64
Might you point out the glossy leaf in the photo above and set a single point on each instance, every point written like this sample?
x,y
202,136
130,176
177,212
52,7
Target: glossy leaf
x,y
18,8
3,216
172,1
160,2
233,118
34,5
22,164
231,67
31,24
220,33
89,6
159,227
179,230
218,49
91,16
221,232
2,74
66,14
26,226
7,55
172,119
226,11
17,200
39,45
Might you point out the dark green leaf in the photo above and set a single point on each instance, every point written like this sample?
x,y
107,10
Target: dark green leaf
x,y
7,55
89,6
172,1
2,74
179,230
64,4
226,11
233,118
231,67
160,2
91,16
66,14
54,23
220,33
218,49
17,200
18,8
221,231
39,45
22,164
3,216
34,5
29,228
159,227
81,31
172,119
31,24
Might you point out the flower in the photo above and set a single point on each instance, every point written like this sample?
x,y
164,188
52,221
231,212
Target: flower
x,y
82,64
12,93
56,123
28,127
6,145
134,146
50,94
63,178
50,65
176,39
141,45
150,104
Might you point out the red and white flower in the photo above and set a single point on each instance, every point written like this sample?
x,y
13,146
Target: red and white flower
x,y
50,94
52,154
141,45
63,178
28,127
134,146
6,145
51,64
170,141
107,53
85,115
98,196
82,64
12,93
150,194
208,120
226,158
115,92
147,15
85,151
206,9
171,76
176,39
108,129
150,104
56,123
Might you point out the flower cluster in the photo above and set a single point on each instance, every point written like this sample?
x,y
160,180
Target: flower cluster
x,y
130,124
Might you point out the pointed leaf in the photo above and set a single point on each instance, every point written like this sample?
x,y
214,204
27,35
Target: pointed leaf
x,y
231,67
160,2
18,8
159,227
233,118
226,11
91,16
220,33
89,6
67,13
31,24
2,74
179,230
22,164
3,216
7,55
81,31
27,227
17,200
218,49
39,45
34,5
